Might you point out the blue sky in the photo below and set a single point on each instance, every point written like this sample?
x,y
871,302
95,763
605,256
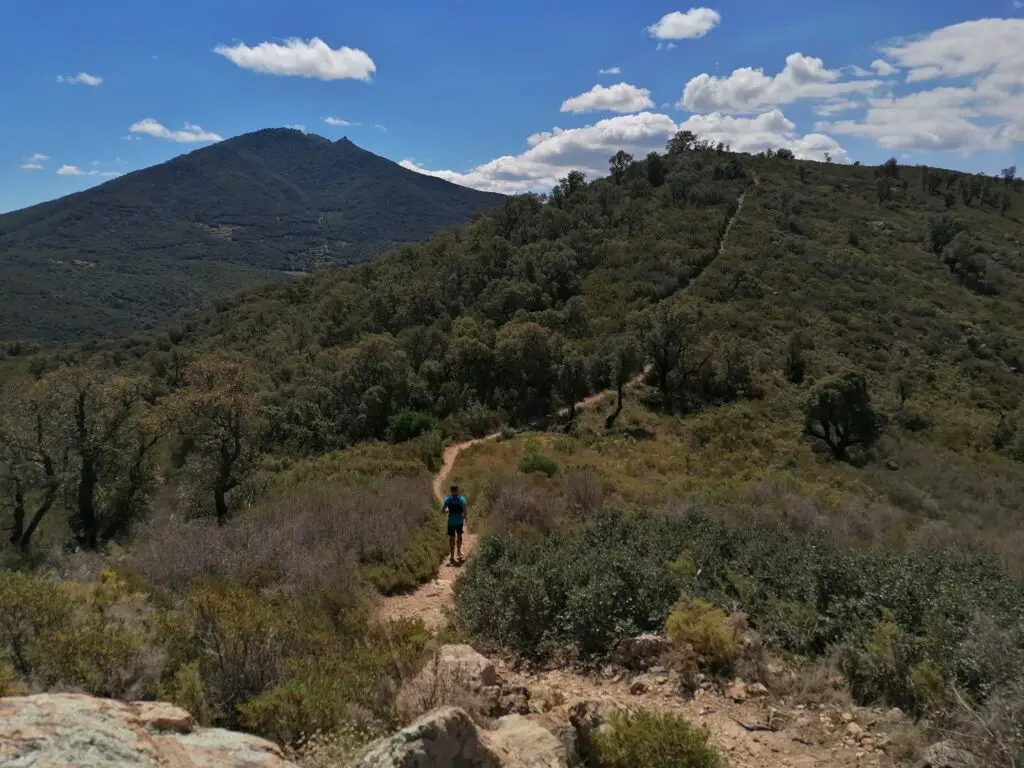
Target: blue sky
x,y
500,95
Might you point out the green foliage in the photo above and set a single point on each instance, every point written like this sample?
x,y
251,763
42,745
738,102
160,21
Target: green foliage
x,y
405,425
654,740
840,414
132,253
570,593
533,461
704,628
901,622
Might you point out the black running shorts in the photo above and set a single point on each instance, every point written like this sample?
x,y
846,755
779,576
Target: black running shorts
x,y
454,529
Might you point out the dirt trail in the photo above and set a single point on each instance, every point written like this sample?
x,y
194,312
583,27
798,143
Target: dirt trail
x,y
812,741
431,600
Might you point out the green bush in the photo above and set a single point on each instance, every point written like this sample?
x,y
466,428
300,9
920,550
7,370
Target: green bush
x,y
579,590
405,425
654,740
532,461
576,592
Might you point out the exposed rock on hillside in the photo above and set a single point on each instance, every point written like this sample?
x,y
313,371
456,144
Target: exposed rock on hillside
x,y
60,730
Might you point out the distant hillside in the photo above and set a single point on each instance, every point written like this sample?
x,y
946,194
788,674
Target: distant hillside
x,y
129,254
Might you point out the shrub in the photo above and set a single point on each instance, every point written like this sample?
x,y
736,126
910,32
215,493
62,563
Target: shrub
x,y
654,740
532,461
705,628
573,592
35,611
405,425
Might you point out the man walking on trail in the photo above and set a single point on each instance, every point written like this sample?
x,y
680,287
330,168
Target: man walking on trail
x,y
455,505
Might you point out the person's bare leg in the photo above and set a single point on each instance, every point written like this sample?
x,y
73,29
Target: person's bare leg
x,y
458,545
451,549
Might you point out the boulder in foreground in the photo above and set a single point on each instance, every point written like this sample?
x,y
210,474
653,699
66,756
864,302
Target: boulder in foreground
x,y
60,730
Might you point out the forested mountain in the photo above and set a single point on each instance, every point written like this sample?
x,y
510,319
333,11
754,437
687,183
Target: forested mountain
x,y
129,254
828,436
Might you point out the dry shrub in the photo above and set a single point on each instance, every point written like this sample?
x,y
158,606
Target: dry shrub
x,y
439,685
521,501
584,492
312,538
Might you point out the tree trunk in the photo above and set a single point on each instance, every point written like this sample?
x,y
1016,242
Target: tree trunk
x,y
89,533
18,526
610,421
220,503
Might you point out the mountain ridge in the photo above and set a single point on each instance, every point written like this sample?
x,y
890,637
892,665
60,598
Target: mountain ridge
x,y
132,252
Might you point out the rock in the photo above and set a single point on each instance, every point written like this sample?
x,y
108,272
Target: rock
x,y
51,730
463,665
514,700
159,716
945,755
640,652
527,742
737,691
854,730
846,717
589,718
441,738
757,689
638,688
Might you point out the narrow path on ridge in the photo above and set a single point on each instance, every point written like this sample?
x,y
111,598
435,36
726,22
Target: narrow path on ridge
x,y
430,601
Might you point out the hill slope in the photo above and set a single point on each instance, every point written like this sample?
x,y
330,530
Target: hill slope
x,y
898,568
130,253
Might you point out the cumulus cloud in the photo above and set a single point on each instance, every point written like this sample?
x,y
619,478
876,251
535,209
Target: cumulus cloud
x,y
29,166
552,154
677,25
986,113
302,58
82,78
883,67
190,134
856,71
614,98
610,71
336,121
750,90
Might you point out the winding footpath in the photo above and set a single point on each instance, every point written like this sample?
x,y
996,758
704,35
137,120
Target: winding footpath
x,y
430,602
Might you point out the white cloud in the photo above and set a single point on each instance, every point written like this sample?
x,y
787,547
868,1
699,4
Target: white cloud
x,y
82,78
835,106
971,48
190,134
336,121
380,127
984,113
74,170
552,154
883,67
37,158
302,58
856,71
29,166
296,127
750,90
677,25
610,71
614,98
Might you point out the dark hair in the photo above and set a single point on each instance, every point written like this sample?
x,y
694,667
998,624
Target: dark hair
x,y
454,487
